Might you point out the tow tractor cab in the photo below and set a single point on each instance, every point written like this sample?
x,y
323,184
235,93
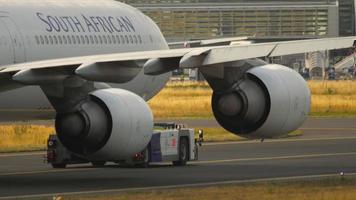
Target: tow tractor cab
x,y
170,143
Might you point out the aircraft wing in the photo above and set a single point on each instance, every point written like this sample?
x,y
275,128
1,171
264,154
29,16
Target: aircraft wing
x,y
122,67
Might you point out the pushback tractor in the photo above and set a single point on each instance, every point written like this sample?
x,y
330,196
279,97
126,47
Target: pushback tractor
x,y
169,143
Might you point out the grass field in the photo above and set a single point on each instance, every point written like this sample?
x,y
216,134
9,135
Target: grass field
x,y
326,189
221,135
192,100
14,138
19,138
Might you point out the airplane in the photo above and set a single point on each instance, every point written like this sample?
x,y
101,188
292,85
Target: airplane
x,y
93,64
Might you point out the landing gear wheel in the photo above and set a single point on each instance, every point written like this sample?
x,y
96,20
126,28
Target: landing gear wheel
x,y
98,163
59,166
146,162
183,153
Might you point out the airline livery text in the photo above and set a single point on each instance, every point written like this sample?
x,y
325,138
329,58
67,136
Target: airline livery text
x,y
84,23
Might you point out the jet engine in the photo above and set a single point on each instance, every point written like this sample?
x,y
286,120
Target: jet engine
x,y
111,124
268,102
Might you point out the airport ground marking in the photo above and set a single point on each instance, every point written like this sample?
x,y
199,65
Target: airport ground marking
x,y
274,158
193,162
46,171
278,141
2,155
327,129
206,184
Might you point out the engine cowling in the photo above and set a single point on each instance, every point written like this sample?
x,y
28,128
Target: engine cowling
x,y
111,124
270,101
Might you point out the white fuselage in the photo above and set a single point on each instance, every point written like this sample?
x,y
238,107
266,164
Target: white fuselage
x,y
32,30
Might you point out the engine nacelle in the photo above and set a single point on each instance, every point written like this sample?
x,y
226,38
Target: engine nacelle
x,y
111,124
270,101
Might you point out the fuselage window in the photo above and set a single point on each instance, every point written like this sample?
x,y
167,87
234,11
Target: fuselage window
x,y
55,39
46,39
100,39
118,39
122,40
73,39
69,40
131,40
135,39
96,39
78,39
59,39
64,39
41,38
104,40
113,39
50,39
82,39
37,39
109,39
91,39
126,39
140,39
87,39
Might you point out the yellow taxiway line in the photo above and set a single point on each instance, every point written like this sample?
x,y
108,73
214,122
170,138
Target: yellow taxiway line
x,y
274,158
280,140
4,155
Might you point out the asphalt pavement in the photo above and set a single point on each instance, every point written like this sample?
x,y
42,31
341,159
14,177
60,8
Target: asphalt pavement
x,y
327,148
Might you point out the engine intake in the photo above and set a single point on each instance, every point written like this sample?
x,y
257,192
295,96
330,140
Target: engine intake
x,y
111,124
270,101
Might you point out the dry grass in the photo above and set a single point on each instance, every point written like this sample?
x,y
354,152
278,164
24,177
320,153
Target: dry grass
x,y
221,135
14,138
218,135
192,100
183,100
329,189
343,87
342,105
